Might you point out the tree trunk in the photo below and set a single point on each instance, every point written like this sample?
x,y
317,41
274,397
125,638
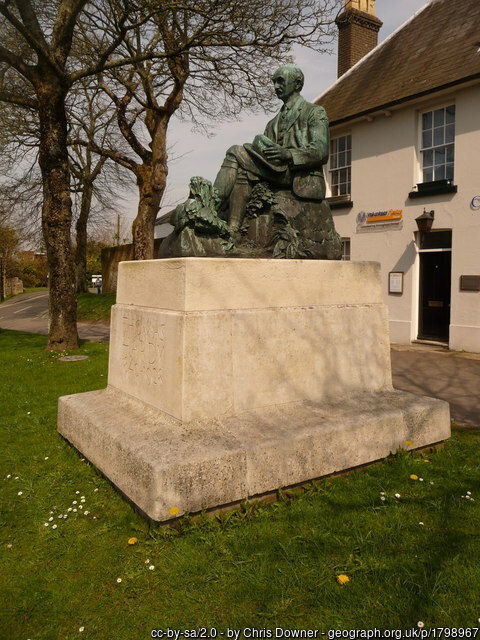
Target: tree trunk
x,y
151,180
57,214
81,239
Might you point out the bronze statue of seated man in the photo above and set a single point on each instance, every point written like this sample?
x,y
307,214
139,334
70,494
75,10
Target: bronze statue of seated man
x,y
289,156
273,191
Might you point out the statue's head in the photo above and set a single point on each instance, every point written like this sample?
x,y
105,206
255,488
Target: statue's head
x,y
287,80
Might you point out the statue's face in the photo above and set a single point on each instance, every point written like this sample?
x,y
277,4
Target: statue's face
x,y
285,83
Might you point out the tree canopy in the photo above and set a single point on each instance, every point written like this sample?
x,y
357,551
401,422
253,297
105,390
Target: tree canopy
x,y
202,60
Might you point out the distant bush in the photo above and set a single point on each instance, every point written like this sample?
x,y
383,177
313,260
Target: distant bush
x,y
31,268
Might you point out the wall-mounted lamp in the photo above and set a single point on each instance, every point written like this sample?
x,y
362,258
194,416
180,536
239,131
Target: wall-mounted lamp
x,y
425,221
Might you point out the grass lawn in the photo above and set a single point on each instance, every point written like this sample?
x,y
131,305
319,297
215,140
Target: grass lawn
x,y
409,558
34,289
92,307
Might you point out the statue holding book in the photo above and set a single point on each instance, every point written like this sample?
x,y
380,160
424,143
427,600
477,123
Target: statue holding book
x,y
271,192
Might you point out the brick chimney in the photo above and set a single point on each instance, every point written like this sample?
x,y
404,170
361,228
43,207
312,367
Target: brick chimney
x,y
357,32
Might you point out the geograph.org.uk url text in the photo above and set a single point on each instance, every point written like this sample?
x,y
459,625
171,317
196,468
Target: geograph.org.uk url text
x,y
210,633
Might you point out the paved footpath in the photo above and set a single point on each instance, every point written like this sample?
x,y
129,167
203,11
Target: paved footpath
x,y
435,371
427,370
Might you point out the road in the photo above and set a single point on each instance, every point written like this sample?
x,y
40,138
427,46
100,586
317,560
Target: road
x,y
29,312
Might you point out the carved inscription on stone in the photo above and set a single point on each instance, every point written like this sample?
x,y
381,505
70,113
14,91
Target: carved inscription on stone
x,y
143,347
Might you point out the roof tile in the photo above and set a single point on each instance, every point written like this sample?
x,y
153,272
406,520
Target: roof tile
x,y
436,47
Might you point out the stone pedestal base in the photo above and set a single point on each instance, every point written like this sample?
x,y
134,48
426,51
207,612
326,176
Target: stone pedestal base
x,y
231,378
166,467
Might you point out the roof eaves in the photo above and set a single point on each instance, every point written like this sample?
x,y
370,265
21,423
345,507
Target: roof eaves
x,y
413,96
164,218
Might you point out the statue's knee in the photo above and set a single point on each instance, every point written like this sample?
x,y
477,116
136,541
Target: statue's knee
x,y
234,153
230,160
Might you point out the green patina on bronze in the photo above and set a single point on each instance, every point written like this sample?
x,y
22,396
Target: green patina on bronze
x,y
268,199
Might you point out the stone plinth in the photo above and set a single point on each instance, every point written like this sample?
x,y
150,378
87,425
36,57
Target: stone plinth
x,y
231,378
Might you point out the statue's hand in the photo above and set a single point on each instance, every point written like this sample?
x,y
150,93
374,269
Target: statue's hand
x,y
278,155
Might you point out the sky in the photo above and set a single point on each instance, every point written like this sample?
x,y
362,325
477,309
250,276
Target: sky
x,y
197,154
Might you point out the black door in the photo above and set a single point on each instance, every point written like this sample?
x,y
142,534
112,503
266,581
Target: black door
x,y
435,276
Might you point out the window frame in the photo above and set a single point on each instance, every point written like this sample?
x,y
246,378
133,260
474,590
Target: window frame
x,y
335,187
436,174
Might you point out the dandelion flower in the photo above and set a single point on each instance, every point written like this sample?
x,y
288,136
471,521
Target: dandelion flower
x,y
413,477
119,580
174,510
132,541
151,567
343,579
420,624
425,460
408,443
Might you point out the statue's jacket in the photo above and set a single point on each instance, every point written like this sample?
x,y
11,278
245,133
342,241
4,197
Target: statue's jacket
x,y
305,133
307,137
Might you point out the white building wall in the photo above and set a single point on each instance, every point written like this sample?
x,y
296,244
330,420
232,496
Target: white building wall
x,y
385,167
465,319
